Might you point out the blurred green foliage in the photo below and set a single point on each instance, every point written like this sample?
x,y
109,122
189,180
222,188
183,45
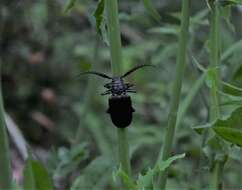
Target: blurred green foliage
x,y
44,47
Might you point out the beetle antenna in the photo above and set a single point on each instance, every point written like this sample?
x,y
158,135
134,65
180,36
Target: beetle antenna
x,y
134,69
96,73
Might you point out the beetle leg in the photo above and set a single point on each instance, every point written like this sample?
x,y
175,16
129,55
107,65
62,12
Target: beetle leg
x,y
106,93
108,85
131,91
128,85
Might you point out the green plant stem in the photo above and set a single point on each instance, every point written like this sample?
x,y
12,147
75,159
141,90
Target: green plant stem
x,y
214,61
124,151
201,161
5,169
214,111
180,67
114,37
216,175
116,63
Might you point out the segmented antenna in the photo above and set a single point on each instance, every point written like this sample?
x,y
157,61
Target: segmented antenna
x,y
96,73
135,68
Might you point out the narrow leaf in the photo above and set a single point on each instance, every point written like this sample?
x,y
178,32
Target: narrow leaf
x,y
29,181
70,4
198,65
151,10
146,181
232,103
127,181
199,129
98,14
165,164
226,13
36,177
231,89
165,30
225,3
228,52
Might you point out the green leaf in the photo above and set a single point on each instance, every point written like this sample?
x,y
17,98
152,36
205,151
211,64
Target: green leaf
x,y
232,103
228,52
151,10
36,176
226,13
101,21
230,129
231,89
200,18
165,30
70,4
237,76
198,65
230,134
165,164
128,182
225,3
146,181
98,14
209,3
29,180
199,129
233,121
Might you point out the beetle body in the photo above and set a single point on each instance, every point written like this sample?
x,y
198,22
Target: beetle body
x,y
120,110
120,104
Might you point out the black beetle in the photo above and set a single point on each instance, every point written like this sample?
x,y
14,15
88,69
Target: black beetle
x,y
120,104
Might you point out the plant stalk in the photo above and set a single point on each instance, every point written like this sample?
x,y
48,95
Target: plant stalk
x,y
114,37
214,111
116,64
216,175
176,91
214,61
5,169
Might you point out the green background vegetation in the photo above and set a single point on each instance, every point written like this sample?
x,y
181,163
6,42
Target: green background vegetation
x,y
45,45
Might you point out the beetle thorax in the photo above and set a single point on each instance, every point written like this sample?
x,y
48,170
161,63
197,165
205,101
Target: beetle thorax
x,y
118,87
